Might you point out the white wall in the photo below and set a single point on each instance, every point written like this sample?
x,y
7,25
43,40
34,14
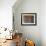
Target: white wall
x,y
6,13
31,32
43,22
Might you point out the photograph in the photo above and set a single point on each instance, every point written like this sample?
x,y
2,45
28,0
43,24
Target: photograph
x,y
28,18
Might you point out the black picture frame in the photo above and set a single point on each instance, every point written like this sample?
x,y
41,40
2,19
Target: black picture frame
x,y
29,19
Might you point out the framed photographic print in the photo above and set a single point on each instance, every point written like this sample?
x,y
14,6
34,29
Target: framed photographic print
x,y
28,18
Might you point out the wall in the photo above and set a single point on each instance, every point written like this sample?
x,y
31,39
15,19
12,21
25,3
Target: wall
x,y
6,13
43,22
29,32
